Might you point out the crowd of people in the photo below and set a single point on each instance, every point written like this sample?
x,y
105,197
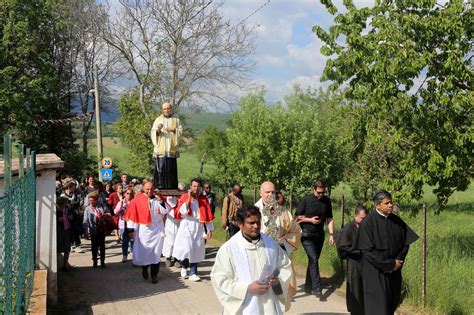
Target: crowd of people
x,y
253,273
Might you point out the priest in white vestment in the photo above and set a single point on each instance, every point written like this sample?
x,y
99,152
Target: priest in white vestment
x,y
251,274
195,228
145,216
165,135
173,218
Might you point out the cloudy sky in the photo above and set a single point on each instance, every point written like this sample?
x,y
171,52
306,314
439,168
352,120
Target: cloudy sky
x,y
287,51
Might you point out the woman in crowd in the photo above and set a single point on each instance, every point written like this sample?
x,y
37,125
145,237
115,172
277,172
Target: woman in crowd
x,y
63,227
120,209
90,185
75,209
92,218
114,198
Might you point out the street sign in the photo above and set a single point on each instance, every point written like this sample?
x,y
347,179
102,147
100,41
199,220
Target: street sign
x,y
106,162
106,174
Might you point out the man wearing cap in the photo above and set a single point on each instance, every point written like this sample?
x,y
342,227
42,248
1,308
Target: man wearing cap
x,y
165,135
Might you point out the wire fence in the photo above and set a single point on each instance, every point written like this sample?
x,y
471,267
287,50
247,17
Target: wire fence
x,y
17,232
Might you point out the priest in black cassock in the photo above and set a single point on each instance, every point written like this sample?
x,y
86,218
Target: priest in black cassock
x,y
384,239
345,250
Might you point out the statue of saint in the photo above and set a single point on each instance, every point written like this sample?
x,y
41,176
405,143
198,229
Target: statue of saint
x,y
165,135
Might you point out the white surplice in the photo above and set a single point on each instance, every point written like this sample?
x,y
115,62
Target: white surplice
x,y
171,228
189,242
239,256
148,242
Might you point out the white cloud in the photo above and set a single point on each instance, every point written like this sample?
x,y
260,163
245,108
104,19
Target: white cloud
x,y
307,58
305,82
269,60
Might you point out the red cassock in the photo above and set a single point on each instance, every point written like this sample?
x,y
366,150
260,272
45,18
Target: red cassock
x,y
205,213
139,210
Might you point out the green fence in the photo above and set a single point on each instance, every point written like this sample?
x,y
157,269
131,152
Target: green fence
x,y
17,231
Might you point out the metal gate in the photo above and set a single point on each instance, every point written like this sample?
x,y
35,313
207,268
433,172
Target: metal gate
x,y
17,231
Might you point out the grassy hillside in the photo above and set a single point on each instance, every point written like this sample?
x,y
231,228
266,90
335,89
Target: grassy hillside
x,y
200,121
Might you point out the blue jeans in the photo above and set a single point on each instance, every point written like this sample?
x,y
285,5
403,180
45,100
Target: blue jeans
x,y
313,246
193,267
126,240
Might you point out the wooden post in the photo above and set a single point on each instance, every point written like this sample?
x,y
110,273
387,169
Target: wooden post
x,y
291,200
21,161
423,264
342,210
342,224
98,121
7,160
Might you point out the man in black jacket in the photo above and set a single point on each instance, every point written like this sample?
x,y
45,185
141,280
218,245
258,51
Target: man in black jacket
x,y
344,242
313,211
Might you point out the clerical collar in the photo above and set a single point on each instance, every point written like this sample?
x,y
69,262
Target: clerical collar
x,y
251,240
383,215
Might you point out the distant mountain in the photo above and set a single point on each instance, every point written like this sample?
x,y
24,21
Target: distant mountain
x,y
196,121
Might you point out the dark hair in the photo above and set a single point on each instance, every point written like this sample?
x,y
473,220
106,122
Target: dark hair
x,y
360,208
62,201
243,213
380,195
319,183
197,180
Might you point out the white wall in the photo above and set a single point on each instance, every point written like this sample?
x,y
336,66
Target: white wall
x,y
46,257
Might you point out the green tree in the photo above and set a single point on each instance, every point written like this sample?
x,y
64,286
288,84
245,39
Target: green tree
x,y
407,65
133,127
319,127
291,145
34,73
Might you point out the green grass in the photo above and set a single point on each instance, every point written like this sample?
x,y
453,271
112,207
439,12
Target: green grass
x,y
199,121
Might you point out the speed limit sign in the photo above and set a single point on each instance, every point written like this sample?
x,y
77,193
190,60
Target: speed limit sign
x,y
106,162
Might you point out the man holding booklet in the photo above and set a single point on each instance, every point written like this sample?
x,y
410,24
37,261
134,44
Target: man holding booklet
x,y
251,274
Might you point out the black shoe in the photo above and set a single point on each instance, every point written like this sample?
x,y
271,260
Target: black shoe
x,y
154,279
94,265
318,293
102,265
145,274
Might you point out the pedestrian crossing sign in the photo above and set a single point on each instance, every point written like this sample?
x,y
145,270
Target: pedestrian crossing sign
x,y
106,174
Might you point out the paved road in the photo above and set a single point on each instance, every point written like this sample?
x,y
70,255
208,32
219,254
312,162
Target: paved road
x,y
120,289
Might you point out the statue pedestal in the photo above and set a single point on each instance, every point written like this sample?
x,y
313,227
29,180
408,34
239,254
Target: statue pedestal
x,y
171,192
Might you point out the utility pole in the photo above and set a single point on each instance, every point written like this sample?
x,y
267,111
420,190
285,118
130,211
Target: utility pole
x,y
98,121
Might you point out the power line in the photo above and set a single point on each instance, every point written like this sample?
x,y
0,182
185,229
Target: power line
x,y
251,14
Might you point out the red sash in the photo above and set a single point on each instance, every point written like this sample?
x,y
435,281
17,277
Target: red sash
x,y
139,210
205,213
